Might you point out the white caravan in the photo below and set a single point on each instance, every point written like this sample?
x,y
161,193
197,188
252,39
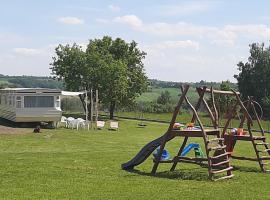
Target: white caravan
x,y
30,104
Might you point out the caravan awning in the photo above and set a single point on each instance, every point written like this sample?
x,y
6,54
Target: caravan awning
x,y
67,93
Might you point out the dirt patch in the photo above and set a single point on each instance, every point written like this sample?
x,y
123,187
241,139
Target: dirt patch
x,y
14,130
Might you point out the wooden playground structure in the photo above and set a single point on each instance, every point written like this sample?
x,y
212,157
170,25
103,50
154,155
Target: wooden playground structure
x,y
218,142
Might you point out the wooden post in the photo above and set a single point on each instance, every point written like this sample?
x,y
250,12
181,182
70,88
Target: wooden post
x,y
168,133
86,105
86,108
91,104
96,105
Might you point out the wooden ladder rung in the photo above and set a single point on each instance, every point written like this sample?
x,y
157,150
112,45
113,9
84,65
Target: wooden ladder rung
x,y
215,139
258,137
262,143
219,156
221,163
224,177
265,158
264,151
222,170
217,147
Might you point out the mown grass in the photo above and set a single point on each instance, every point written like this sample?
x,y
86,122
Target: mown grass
x,y
66,164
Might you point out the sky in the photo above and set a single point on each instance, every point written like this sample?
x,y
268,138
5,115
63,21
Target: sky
x,y
185,41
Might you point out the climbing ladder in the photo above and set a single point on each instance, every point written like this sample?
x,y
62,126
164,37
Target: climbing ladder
x,y
258,141
213,142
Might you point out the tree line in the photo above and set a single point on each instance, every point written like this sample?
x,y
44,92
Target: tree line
x,y
29,82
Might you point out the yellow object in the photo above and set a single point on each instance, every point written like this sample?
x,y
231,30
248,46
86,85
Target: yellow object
x,y
190,124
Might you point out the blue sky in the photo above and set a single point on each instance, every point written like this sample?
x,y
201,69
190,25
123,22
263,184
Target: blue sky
x,y
184,40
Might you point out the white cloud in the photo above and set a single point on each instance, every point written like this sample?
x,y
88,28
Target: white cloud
x,y
27,61
250,30
114,8
26,51
71,20
187,8
225,35
130,20
223,42
195,66
177,44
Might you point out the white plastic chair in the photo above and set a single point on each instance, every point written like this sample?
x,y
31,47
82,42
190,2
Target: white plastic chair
x,y
100,124
69,122
63,121
114,126
81,123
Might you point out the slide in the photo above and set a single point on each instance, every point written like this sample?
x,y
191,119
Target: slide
x,y
189,147
143,154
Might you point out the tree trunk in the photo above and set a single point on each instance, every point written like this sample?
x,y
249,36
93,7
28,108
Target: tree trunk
x,y
112,107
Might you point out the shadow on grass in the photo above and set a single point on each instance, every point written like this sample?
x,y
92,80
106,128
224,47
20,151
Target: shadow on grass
x,y
11,124
247,169
7,123
187,174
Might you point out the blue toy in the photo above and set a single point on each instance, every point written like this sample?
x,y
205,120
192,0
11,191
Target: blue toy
x,y
196,147
165,154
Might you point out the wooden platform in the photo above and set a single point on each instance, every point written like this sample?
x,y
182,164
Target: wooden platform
x,y
245,137
194,133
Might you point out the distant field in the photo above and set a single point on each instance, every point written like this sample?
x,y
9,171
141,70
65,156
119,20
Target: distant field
x,y
174,92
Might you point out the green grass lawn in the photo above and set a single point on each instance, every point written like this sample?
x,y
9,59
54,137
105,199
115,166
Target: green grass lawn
x,y
66,164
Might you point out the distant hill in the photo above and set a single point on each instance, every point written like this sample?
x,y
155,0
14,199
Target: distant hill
x,y
154,90
170,84
29,82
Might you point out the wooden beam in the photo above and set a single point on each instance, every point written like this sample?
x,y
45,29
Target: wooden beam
x,y
221,92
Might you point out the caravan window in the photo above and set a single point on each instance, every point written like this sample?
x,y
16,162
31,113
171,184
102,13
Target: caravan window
x,y
18,102
38,101
57,103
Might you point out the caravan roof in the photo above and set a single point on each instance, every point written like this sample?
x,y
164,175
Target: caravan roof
x,y
31,90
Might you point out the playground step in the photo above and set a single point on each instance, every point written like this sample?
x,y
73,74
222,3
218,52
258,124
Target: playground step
x,y
217,147
215,139
220,156
262,143
220,163
259,137
224,177
264,151
265,158
222,170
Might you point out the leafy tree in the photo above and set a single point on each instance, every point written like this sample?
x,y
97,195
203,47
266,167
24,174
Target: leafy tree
x,y
164,98
114,67
222,102
253,78
69,66
225,101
